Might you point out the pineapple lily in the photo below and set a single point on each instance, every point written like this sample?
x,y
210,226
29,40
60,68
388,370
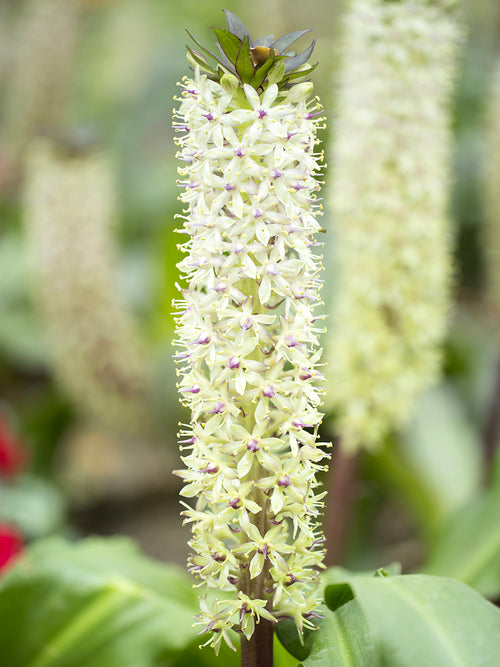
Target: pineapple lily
x,y
248,332
393,251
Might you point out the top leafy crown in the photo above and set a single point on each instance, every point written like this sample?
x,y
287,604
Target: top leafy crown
x,y
257,62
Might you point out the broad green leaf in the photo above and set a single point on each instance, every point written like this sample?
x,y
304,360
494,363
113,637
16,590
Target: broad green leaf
x,y
282,658
33,505
436,464
344,639
287,633
467,548
407,621
340,575
205,657
441,450
97,602
20,332
340,594
194,656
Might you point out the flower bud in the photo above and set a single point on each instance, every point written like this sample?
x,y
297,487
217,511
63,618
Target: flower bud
x,y
300,92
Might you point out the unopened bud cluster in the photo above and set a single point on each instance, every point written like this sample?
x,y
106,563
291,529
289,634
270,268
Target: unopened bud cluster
x,y
389,199
248,350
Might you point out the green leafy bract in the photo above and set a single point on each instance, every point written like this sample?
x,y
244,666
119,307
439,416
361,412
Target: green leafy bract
x,y
244,66
235,44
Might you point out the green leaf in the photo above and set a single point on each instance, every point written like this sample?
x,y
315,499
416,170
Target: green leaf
x,y
235,25
244,64
440,449
199,59
261,71
98,602
338,575
301,72
344,639
203,48
33,505
21,339
339,595
287,633
468,546
407,621
282,44
299,60
229,43
193,656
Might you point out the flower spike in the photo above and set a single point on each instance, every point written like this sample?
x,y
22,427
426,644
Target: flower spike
x,y
248,331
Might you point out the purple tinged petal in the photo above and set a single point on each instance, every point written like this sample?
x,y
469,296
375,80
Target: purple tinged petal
x,y
210,468
203,339
195,389
233,362
253,445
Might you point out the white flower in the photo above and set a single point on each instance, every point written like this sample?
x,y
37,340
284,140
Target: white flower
x,y
249,358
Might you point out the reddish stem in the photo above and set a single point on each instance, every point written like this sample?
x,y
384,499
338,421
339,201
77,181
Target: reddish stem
x,y
491,434
342,484
258,650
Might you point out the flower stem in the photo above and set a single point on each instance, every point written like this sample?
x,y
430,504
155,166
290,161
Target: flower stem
x,y
492,427
258,650
341,496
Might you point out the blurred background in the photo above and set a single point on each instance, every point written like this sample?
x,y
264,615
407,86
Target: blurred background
x,y
88,404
